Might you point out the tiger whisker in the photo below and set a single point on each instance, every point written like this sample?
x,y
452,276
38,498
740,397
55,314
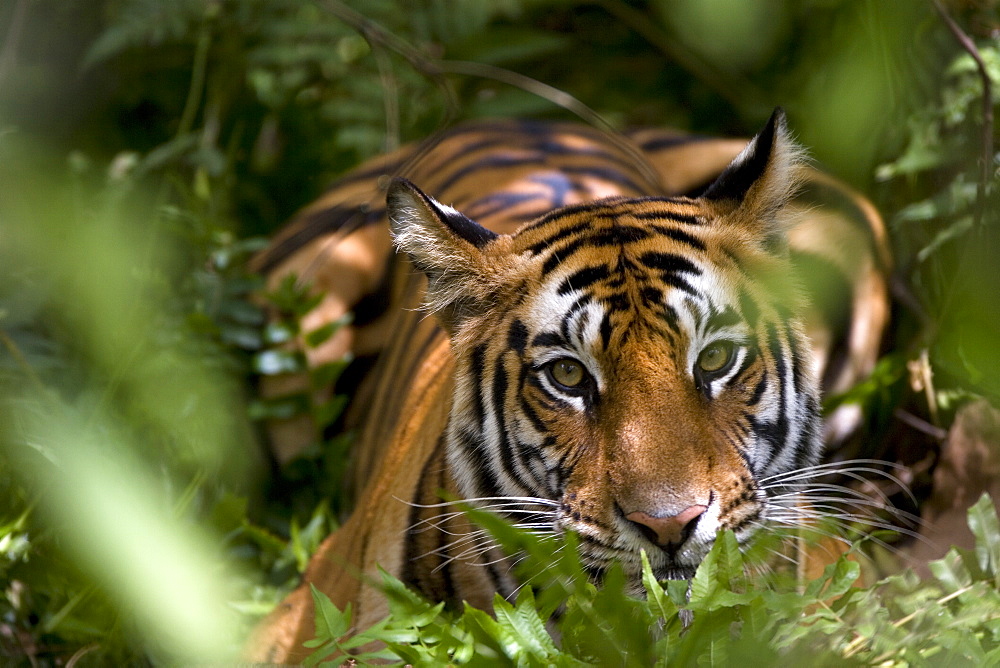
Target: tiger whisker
x,y
844,526
854,508
438,521
852,468
826,508
861,465
512,500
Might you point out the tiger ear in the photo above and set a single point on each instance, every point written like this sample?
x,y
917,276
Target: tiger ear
x,y
446,246
760,180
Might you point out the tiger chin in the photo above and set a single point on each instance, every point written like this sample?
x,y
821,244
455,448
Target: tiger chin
x,y
632,368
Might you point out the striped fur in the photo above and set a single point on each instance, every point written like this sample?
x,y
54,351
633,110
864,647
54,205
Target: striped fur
x,y
619,347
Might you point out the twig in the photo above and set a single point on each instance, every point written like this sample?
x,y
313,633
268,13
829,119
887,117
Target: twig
x,y
987,130
435,70
560,98
856,645
736,90
390,99
80,653
197,85
373,32
22,362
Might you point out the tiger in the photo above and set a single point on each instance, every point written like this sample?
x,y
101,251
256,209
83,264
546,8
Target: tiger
x,y
623,337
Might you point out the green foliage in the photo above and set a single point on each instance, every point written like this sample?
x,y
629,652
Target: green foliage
x,y
720,617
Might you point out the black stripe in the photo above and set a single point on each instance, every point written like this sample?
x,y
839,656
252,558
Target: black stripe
x,y
577,305
548,339
806,453
440,588
605,173
619,235
560,234
673,216
528,411
776,432
593,207
363,173
310,226
487,163
671,318
559,255
660,143
375,304
484,480
583,279
497,202
517,336
681,236
678,282
477,365
669,263
606,330
499,395
617,302
758,391
725,318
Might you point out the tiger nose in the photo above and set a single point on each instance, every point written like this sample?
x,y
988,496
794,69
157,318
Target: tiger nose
x,y
667,531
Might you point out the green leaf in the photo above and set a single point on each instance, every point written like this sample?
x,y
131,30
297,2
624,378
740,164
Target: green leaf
x,y
837,578
407,604
321,335
660,603
276,333
325,375
951,571
986,528
522,628
331,623
719,571
274,362
327,413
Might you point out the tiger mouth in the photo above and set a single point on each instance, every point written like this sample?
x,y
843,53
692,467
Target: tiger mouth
x,y
675,573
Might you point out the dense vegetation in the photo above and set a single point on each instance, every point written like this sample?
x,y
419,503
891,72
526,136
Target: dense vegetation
x,y
148,148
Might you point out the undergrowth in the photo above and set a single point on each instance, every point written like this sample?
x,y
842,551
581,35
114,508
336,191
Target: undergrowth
x,y
149,148
722,617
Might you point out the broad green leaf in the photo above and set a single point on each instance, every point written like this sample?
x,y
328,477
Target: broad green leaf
x,y
659,602
986,528
530,625
331,623
951,571
523,625
837,578
407,604
721,567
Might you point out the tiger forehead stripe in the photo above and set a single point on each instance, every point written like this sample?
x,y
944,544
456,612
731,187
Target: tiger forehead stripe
x,y
616,235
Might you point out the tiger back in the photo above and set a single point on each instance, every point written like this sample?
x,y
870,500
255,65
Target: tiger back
x,y
618,348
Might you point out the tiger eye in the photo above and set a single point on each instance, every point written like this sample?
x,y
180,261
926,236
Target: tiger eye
x,y
715,357
567,372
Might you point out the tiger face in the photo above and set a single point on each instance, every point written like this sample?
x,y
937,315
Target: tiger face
x,y
631,370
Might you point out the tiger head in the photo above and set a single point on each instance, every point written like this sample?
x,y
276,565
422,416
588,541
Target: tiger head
x,y
632,366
